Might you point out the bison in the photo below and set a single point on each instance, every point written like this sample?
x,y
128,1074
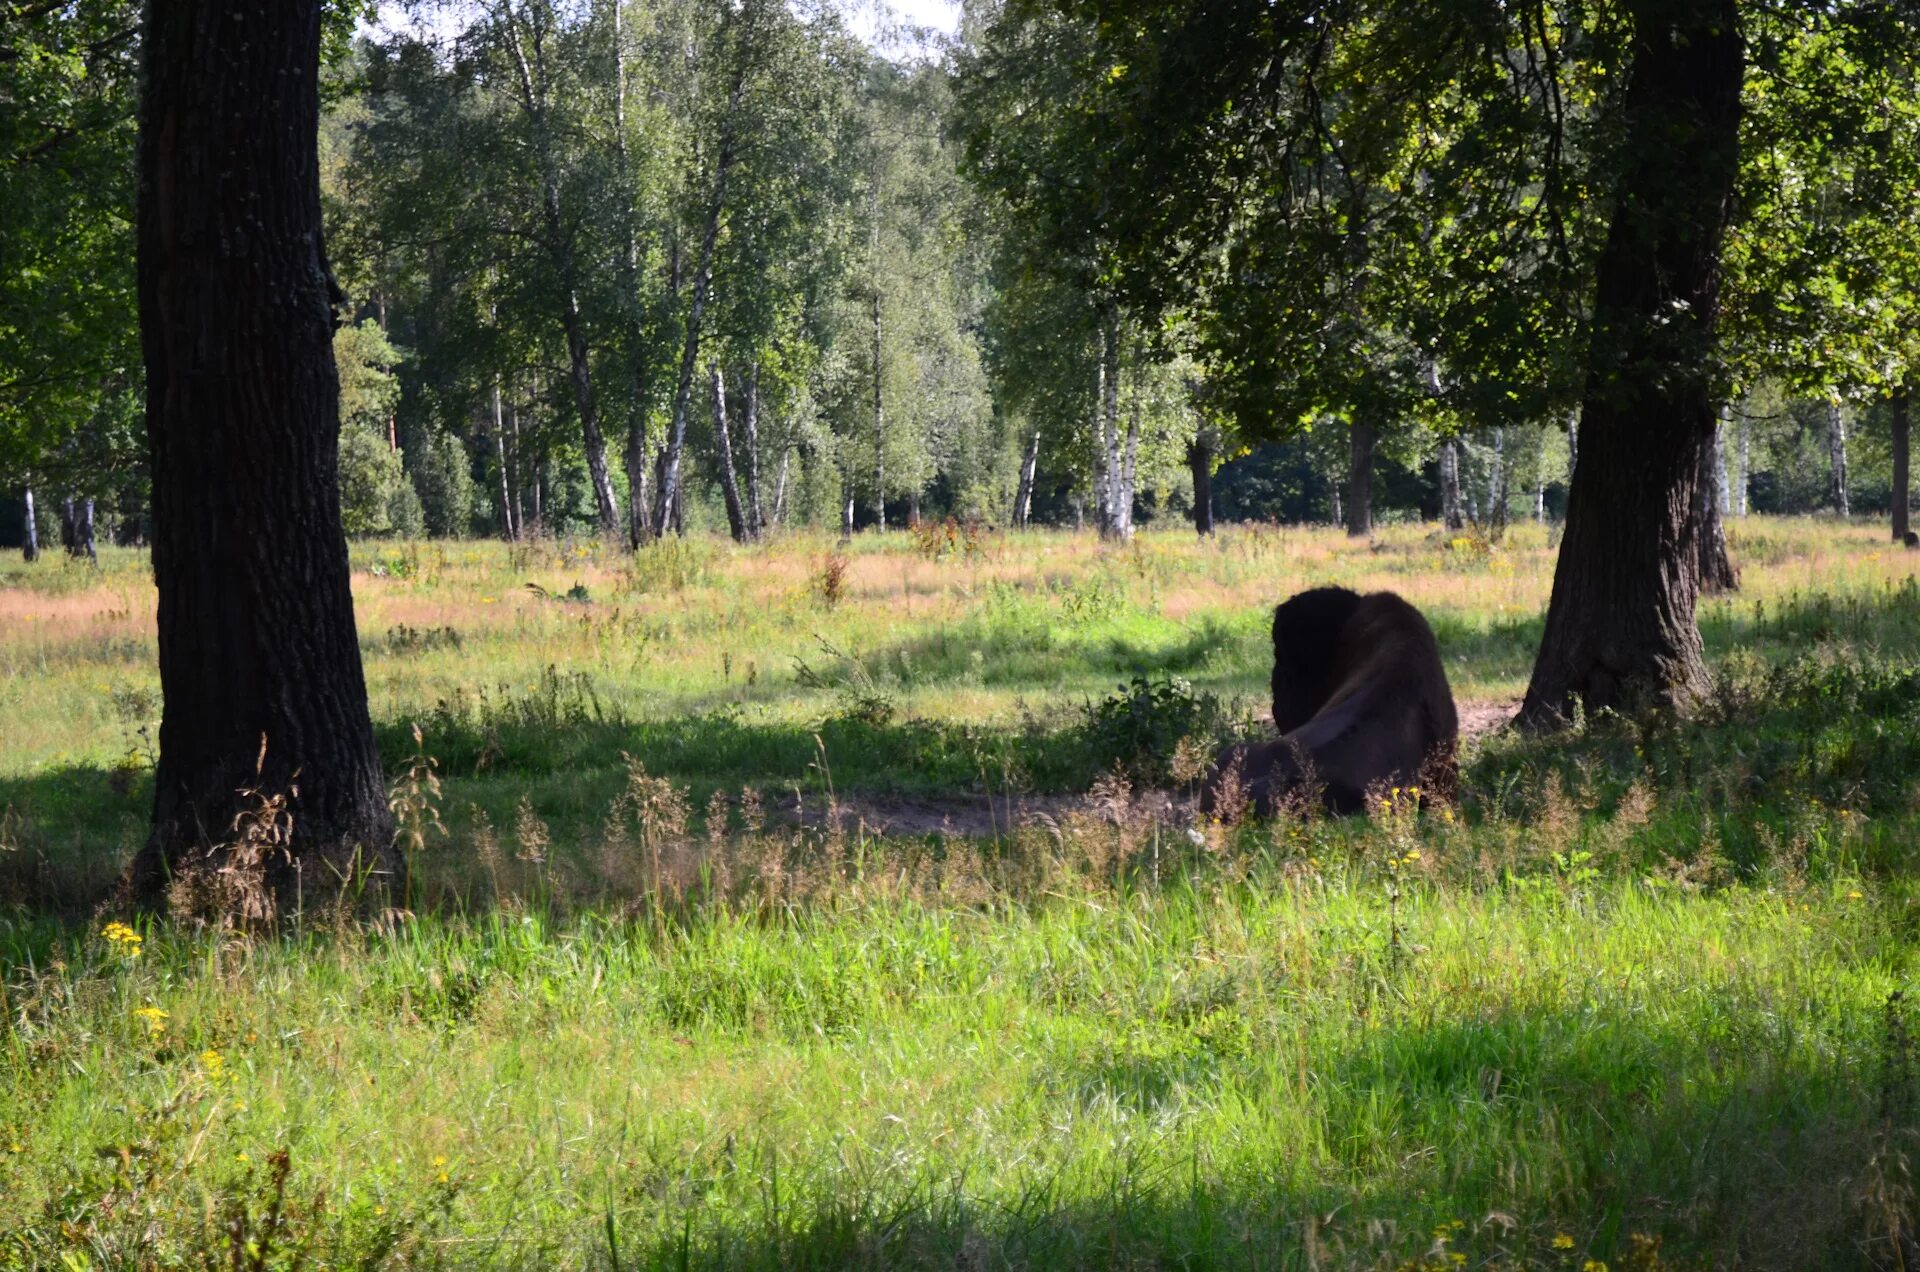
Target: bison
x,y
1360,700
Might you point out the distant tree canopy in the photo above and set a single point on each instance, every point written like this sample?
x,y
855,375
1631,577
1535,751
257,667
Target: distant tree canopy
x,y
678,263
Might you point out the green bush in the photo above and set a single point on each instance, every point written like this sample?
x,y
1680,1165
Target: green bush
x,y
1137,728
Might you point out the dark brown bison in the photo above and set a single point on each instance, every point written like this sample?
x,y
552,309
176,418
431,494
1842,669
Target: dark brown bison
x,y
1360,700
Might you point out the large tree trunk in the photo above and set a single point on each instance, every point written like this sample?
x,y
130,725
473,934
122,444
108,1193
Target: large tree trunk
x,y
1453,513
1620,630
259,660
1360,447
723,442
1200,464
1902,475
32,550
534,100
1837,459
1717,574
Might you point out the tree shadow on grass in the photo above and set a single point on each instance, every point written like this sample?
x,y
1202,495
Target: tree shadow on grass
x,y
1518,1125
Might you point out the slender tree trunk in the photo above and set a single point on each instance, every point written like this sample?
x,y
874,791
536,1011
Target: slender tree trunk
x,y
846,507
83,544
670,501
259,660
723,437
32,549
1452,514
1200,464
69,527
1723,469
750,421
1115,490
1743,488
534,101
1902,475
639,518
1717,574
1620,630
507,525
1573,449
1499,495
1029,471
780,489
1360,446
1540,482
1130,460
1837,458
1339,509
879,426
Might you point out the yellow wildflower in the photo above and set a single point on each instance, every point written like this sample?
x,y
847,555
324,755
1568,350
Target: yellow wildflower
x,y
156,1018
124,939
1561,1241
1853,896
1593,1265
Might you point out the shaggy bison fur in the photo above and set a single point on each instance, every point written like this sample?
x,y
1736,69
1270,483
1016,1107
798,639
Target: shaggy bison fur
x,y
1361,701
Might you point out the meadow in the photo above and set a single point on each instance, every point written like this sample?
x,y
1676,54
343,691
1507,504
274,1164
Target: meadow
x,y
809,905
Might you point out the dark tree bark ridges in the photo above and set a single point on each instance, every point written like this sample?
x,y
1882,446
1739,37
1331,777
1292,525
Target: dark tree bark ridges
x,y
256,626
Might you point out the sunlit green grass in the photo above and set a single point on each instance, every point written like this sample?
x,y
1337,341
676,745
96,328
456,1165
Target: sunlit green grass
x,y
1227,1068
1634,989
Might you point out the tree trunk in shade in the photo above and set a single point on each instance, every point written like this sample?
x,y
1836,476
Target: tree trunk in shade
x,y
1837,459
259,659
1200,464
32,549
1620,628
1360,448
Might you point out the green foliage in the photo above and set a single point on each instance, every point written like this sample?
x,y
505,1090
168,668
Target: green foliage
x,y
376,498
1137,729
446,488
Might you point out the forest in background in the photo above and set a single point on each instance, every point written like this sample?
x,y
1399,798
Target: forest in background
x,y
639,268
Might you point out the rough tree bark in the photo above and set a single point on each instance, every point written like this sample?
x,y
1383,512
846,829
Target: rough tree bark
x,y
1902,405
1837,459
723,438
1361,439
1620,630
256,627
1200,464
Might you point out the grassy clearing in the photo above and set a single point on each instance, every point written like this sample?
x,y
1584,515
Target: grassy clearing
x,y
1629,1003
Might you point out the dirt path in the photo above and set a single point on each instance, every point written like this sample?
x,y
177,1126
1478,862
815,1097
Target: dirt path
x,y
978,816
